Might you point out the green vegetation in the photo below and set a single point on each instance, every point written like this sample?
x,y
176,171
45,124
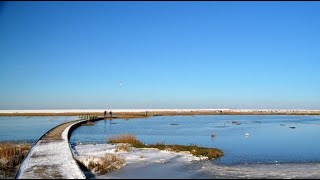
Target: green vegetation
x,y
211,153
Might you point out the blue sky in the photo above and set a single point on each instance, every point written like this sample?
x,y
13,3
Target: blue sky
x,y
166,54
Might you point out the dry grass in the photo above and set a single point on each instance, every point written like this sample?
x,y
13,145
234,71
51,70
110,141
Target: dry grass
x,y
87,123
126,138
211,153
122,147
11,155
101,165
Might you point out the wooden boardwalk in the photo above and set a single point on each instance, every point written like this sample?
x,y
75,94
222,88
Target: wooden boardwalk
x,y
51,157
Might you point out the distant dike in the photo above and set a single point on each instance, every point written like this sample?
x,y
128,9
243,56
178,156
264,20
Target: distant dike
x,y
132,113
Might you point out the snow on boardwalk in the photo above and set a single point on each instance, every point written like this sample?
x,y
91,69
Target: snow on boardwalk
x,y
51,157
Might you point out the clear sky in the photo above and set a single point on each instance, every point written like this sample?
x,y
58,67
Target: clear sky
x,y
56,55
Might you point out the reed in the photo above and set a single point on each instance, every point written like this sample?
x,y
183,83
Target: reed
x,y
11,155
122,147
109,162
87,123
126,138
210,153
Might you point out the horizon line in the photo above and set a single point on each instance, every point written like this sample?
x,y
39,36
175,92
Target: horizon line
x,y
143,110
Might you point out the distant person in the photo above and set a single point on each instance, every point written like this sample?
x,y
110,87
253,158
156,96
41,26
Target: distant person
x,y
105,114
110,113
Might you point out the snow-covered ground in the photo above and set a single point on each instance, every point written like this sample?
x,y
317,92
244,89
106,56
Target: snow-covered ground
x,y
141,163
154,164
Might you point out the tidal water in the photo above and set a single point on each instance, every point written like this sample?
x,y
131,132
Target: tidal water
x,y
28,128
244,139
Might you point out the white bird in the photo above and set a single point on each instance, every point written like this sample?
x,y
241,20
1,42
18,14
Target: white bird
x,y
247,134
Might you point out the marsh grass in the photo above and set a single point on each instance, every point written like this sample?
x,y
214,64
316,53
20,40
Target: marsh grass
x,y
126,138
11,155
210,153
87,123
122,147
101,165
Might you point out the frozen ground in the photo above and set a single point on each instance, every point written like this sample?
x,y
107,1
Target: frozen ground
x,y
153,163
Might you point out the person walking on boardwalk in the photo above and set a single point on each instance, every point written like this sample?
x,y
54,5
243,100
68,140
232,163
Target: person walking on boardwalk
x,y
110,114
105,114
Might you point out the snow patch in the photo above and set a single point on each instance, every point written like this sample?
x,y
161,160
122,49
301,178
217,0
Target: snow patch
x,y
136,156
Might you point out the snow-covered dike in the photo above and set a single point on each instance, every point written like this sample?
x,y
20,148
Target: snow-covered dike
x,y
150,110
50,159
99,110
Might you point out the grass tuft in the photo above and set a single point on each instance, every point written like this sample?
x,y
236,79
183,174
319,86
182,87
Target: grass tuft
x,y
122,147
107,163
87,123
101,165
126,138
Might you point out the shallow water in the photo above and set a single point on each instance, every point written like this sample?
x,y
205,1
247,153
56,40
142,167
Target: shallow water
x,y
203,170
260,171
29,128
270,139
155,171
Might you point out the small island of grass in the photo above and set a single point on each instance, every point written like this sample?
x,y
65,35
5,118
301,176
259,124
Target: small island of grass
x,y
210,153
